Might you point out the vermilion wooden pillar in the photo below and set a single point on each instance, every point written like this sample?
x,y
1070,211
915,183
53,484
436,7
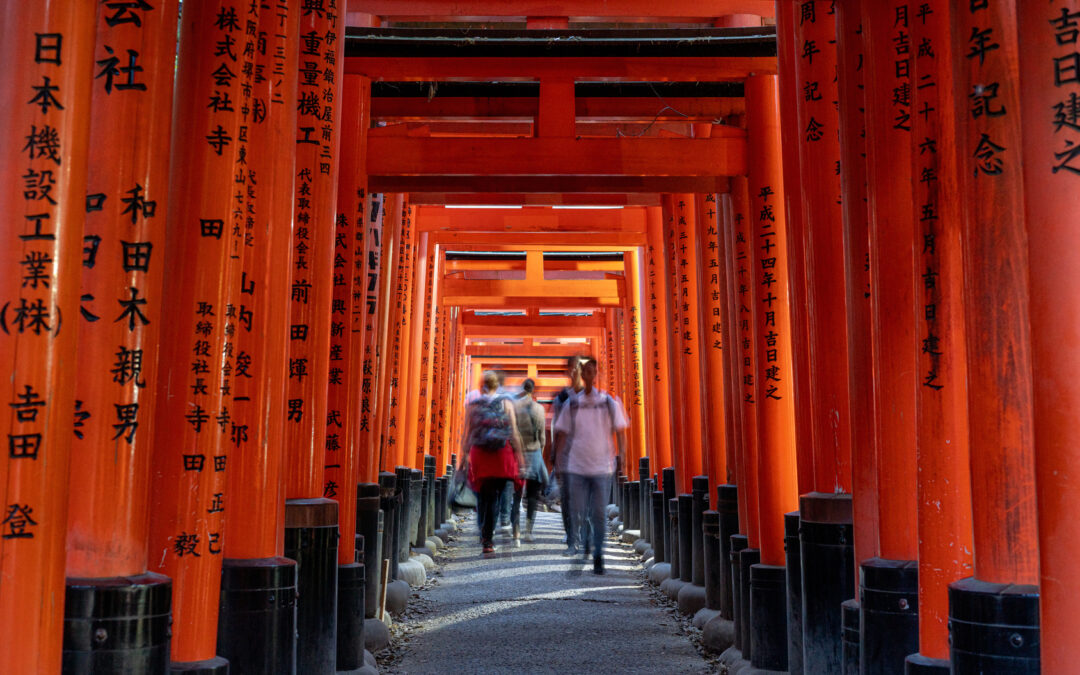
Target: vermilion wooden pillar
x,y
712,329
635,400
413,376
944,477
110,462
746,275
657,316
194,431
398,376
425,408
998,338
311,520
789,127
44,133
367,307
678,407
886,638
809,34
690,383
851,61
385,349
390,370
778,493
255,529
1050,100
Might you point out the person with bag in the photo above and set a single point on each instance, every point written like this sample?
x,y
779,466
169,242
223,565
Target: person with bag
x,y
559,457
589,420
530,424
495,453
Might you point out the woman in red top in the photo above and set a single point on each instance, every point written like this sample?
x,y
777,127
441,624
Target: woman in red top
x,y
489,470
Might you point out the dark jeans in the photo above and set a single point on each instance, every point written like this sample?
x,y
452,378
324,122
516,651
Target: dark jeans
x,y
590,498
487,502
532,496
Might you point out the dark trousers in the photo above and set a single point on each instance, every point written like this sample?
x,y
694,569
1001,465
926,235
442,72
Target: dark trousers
x,y
590,498
532,496
487,503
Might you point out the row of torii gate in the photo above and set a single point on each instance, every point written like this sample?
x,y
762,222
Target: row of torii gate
x,y
236,282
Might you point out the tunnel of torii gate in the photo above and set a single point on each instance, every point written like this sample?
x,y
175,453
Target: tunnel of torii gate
x,y
257,254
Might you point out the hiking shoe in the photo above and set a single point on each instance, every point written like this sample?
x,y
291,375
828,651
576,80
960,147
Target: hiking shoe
x,y
570,552
598,565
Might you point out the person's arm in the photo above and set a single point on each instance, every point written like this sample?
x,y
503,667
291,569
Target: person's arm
x,y
466,430
538,422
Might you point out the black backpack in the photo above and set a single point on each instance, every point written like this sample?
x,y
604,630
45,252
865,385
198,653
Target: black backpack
x,y
490,424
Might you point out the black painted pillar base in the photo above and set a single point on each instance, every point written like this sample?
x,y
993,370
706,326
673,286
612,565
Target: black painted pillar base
x,y
117,624
699,505
889,615
673,538
623,495
849,637
794,592
768,617
416,495
404,499
727,505
369,524
440,502
432,519
389,503
993,628
828,576
917,664
311,539
659,538
738,544
710,530
748,557
257,615
642,496
668,488
214,666
350,616
686,537
421,534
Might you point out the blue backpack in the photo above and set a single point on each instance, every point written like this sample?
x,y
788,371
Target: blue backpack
x,y
490,424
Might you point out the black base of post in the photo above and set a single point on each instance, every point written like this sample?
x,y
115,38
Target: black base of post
x,y
748,557
659,538
623,495
389,503
421,534
917,664
667,486
737,545
828,576
993,628
686,537
768,617
849,637
710,529
889,615
350,616
727,505
432,520
794,592
643,497
700,493
370,526
257,615
117,624
311,536
440,502
214,666
673,538
633,515
416,492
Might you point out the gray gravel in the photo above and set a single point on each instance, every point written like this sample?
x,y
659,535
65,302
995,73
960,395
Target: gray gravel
x,y
529,610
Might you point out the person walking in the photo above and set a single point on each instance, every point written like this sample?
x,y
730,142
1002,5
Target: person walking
x,y
530,423
559,458
587,423
493,445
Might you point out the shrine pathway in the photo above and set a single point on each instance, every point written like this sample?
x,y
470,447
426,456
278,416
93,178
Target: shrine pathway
x,y
530,610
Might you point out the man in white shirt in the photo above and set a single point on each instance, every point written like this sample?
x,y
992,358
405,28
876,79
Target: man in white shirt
x,y
586,425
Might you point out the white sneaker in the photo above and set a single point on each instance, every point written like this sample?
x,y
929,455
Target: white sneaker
x,y
528,537
505,529
515,542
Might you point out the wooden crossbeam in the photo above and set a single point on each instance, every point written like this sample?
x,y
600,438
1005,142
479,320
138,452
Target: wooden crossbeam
x,y
576,10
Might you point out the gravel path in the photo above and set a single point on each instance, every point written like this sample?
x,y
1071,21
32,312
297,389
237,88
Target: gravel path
x,y
529,610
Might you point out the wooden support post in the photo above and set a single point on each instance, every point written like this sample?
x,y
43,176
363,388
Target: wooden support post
x,y
778,493
109,482
998,337
711,269
743,258
367,307
944,475
311,520
385,350
678,407
657,316
852,69
790,88
44,127
1049,93
414,383
255,529
689,277
204,245
635,400
426,406
889,637
401,389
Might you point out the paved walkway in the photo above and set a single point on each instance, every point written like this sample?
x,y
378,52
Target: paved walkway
x,y
529,610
